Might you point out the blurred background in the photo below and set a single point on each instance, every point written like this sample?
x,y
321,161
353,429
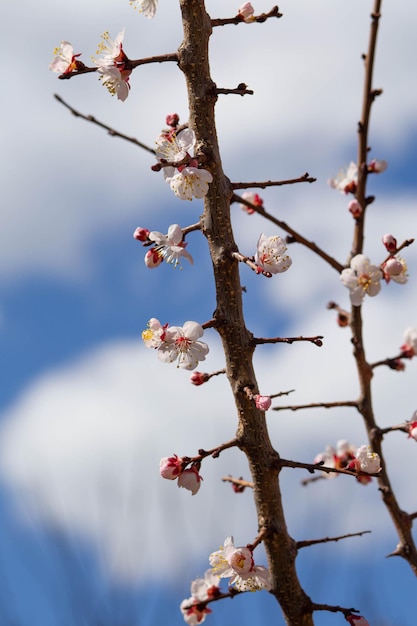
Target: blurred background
x,y
90,534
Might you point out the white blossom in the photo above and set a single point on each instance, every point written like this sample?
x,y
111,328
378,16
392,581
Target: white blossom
x,y
270,254
64,60
367,461
170,247
238,565
189,182
147,7
361,278
182,345
154,335
174,148
346,180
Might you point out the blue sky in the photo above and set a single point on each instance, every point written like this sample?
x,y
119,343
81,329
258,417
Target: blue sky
x,y
90,533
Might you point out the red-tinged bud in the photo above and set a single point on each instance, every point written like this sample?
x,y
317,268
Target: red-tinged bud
x,y
356,620
262,402
141,234
377,166
412,429
153,258
190,479
343,318
355,208
389,242
172,120
170,467
396,364
199,378
238,488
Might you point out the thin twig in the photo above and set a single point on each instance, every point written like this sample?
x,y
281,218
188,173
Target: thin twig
x,y
295,236
250,263
274,12
305,178
111,131
319,405
128,65
312,542
237,481
261,340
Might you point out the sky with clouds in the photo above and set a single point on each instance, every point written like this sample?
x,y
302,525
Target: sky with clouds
x,y
91,534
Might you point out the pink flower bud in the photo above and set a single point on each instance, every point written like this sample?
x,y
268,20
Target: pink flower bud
x,y
153,258
199,378
389,242
392,267
412,430
172,120
355,208
246,12
356,620
190,479
262,402
141,234
396,364
376,166
170,467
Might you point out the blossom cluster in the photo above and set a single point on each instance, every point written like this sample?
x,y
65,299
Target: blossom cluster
x,y
235,563
169,248
176,343
345,457
363,278
346,180
113,66
181,169
173,467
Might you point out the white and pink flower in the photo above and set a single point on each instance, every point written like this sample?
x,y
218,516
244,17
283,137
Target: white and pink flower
x,y
238,565
361,278
270,254
182,345
147,7
254,199
154,335
412,427
346,180
367,461
190,479
189,182
175,148
65,61
409,346
377,166
246,12
112,66
193,611
169,248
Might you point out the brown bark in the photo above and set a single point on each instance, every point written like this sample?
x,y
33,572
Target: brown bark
x,y
252,432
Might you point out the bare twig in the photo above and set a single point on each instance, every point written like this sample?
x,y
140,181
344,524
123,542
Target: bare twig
x,y
250,263
317,405
312,542
295,236
261,340
305,178
111,131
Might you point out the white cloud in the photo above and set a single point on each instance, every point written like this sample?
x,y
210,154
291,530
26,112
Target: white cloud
x,y
81,448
